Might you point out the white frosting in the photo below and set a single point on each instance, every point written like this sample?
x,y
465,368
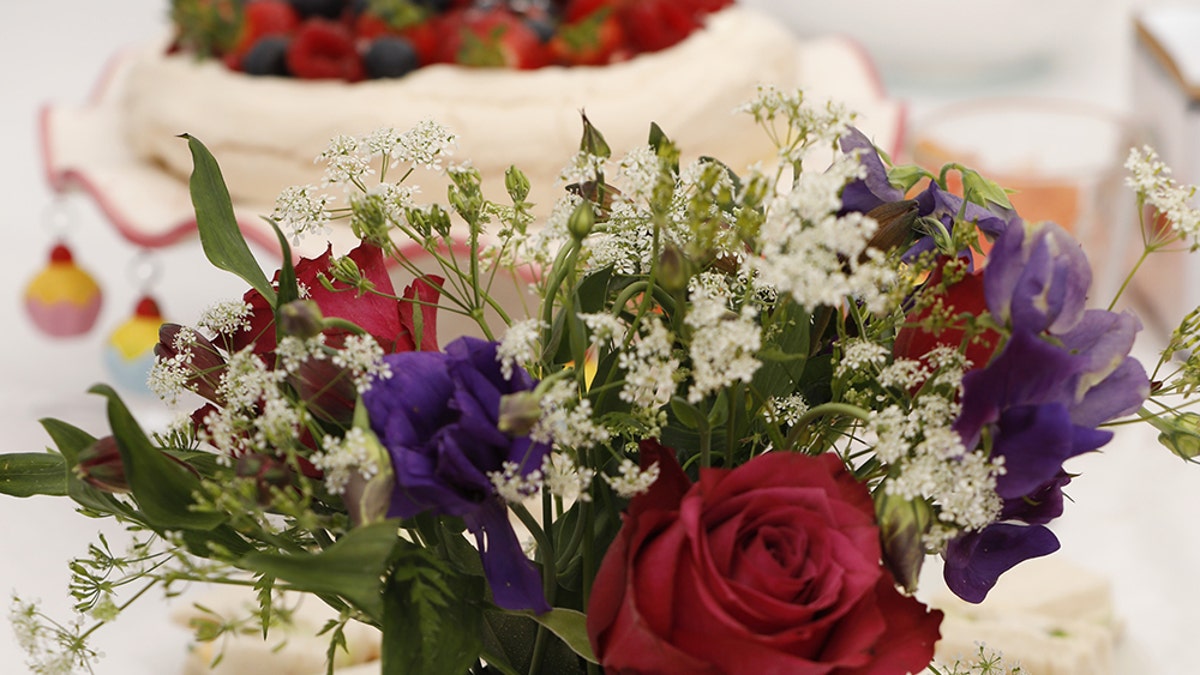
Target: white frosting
x,y
265,131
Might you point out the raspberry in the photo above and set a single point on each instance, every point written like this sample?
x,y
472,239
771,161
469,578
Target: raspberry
x,y
324,50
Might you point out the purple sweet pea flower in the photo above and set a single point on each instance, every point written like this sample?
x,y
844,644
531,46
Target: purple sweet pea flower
x,y
874,190
1064,371
1038,279
438,417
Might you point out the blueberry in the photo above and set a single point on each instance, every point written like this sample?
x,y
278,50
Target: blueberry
x,y
543,27
438,6
390,56
330,9
268,56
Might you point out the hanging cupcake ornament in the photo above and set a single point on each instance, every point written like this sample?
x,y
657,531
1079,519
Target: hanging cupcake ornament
x,y
129,352
63,300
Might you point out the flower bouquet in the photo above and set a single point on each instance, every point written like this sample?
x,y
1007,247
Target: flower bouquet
x,y
743,412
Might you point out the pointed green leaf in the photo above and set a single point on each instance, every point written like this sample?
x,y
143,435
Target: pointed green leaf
x,y
980,190
352,568
289,289
570,626
70,440
223,242
25,474
162,487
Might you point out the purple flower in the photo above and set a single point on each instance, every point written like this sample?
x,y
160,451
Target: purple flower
x,y
874,190
1064,371
438,417
1038,279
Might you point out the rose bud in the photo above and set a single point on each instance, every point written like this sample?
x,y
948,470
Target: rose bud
x,y
100,466
582,220
672,269
203,361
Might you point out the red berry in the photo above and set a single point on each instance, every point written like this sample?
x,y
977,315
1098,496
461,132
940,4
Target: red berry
x,y
657,24
324,50
494,38
261,19
593,41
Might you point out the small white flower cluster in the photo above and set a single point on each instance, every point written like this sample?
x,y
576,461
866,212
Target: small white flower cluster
x,y
566,420
860,355
1151,179
395,199
425,145
254,411
931,462
50,648
340,459
602,327
363,357
631,480
303,210
225,318
566,479
583,168
639,171
519,346
293,351
650,369
628,245
511,485
723,344
806,126
818,257
787,410
347,161
904,374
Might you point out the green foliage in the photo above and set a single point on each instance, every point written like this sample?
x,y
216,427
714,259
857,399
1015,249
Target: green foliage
x,y
223,242
33,473
431,615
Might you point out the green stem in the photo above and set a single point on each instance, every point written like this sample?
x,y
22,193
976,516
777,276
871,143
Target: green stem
x,y
825,409
1129,278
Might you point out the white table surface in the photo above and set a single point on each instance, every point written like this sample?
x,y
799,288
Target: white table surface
x,y
1133,514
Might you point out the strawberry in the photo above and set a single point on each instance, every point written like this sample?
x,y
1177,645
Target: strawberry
x,y
261,19
652,25
595,40
324,49
494,37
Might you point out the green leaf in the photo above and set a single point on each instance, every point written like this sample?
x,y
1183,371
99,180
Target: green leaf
x,y
510,636
570,626
289,289
70,440
904,177
26,474
164,490
352,568
223,242
432,621
980,190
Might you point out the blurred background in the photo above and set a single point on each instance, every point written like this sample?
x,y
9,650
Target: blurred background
x,y
1039,89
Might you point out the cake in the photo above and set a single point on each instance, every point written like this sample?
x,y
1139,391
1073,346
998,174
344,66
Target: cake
x,y
265,131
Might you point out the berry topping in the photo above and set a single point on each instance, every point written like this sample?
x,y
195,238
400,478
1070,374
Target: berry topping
x,y
328,9
268,56
390,56
496,38
324,50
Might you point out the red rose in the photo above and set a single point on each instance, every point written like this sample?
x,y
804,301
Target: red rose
x,y
391,322
772,567
964,297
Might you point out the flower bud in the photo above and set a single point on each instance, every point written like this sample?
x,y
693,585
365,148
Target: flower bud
x,y
1181,435
895,225
902,525
204,361
517,184
593,142
300,318
100,466
327,390
519,412
582,220
367,500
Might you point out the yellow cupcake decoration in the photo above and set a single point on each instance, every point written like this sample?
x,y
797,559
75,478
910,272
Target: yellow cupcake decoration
x,y
63,300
